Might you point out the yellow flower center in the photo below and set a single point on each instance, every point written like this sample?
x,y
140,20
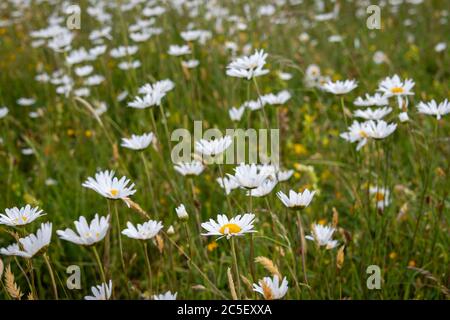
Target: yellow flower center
x,y
267,291
230,228
397,90
379,196
114,192
363,134
24,219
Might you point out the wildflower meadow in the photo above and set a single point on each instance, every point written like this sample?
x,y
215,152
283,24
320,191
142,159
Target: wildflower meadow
x,y
224,150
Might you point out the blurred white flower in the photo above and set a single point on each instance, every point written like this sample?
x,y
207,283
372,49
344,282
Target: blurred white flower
x,y
138,142
434,109
189,168
166,296
340,87
181,212
213,147
248,66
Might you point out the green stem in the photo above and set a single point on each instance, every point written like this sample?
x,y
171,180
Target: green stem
x,y
52,275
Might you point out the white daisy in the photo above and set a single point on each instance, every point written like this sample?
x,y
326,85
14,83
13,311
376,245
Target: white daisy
x,y
227,184
377,100
277,99
248,66
381,196
394,86
323,235
224,227
284,175
379,129
101,292
271,289
107,185
181,212
193,168
236,113
356,133
340,87
249,176
434,109
166,296
88,234
144,231
264,189
375,114
138,142
213,147
20,217
296,200
175,50
3,112
32,244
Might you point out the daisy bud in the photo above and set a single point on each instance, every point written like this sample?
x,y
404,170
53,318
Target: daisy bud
x,y
170,231
181,212
403,117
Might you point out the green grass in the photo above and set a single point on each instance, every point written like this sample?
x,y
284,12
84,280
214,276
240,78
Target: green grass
x,y
70,145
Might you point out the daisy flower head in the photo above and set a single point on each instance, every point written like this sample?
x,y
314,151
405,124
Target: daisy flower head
x,y
394,86
166,296
379,129
296,200
138,142
193,168
340,87
181,212
101,292
224,227
277,99
228,184
19,217
32,244
176,50
236,113
381,196
271,288
3,112
323,236
248,66
264,189
249,176
377,100
107,185
87,234
433,109
356,133
144,231
284,175
213,147
375,114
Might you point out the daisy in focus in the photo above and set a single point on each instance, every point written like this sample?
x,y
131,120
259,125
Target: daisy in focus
x,y
18,217
107,185
271,288
224,227
32,244
296,200
323,236
87,234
